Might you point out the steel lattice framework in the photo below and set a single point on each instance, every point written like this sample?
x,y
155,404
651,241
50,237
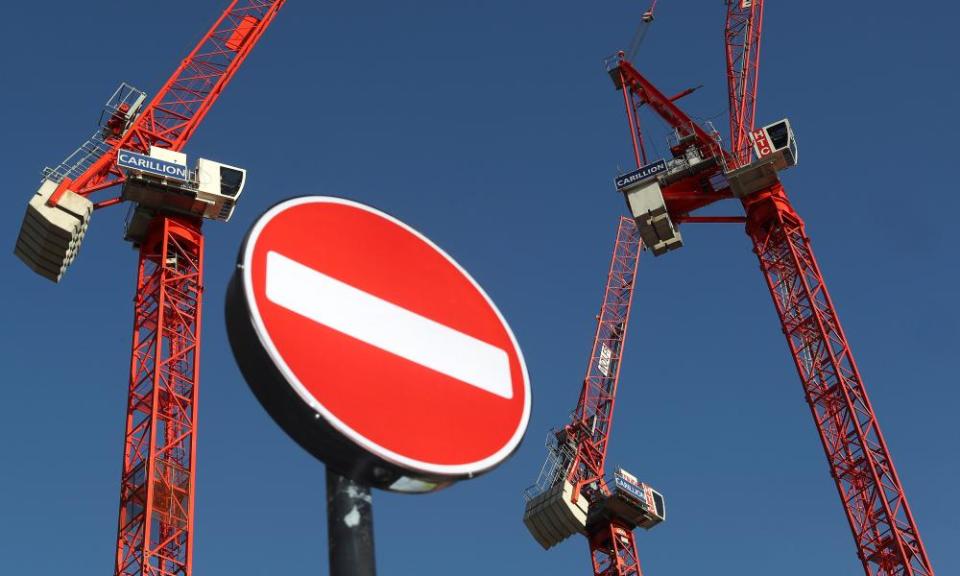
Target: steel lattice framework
x,y
887,538
742,35
155,526
613,551
612,545
155,529
593,417
180,105
874,500
885,532
888,541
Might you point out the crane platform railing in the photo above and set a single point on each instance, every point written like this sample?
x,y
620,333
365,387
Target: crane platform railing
x,y
80,160
118,113
554,468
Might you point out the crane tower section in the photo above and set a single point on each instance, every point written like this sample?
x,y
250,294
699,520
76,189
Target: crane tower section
x,y
137,146
886,534
742,33
155,525
573,494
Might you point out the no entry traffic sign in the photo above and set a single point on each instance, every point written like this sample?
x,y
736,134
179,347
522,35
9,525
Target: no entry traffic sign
x,y
373,348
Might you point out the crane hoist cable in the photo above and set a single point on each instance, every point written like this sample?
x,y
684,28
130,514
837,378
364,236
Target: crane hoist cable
x,y
641,32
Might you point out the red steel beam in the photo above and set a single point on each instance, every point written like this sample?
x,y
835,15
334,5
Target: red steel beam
x,y
886,534
155,526
613,551
665,107
742,33
180,105
593,417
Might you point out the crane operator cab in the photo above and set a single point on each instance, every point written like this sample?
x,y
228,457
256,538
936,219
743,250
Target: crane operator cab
x,y
774,149
553,514
630,501
162,182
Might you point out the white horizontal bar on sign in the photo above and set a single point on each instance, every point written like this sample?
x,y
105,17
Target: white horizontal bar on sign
x,y
358,314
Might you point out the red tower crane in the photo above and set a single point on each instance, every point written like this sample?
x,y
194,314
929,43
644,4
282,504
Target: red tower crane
x,y
155,526
888,541
662,195
573,494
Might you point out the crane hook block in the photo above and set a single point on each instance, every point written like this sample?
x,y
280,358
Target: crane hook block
x,y
50,236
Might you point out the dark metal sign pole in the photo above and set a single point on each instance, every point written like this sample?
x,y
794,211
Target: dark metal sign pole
x,y
349,527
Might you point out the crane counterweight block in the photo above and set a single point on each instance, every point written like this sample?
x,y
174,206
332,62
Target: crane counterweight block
x,y
50,236
552,516
641,189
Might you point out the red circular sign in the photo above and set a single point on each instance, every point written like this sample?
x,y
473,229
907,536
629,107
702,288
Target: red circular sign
x,y
385,337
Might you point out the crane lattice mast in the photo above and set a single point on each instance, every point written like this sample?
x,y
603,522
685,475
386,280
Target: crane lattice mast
x,y
574,486
574,493
664,194
885,532
888,541
884,529
612,545
744,27
155,526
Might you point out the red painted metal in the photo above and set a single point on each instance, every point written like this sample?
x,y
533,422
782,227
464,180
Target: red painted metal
x,y
664,106
744,27
699,190
589,429
876,506
612,545
155,528
885,532
613,551
632,105
180,105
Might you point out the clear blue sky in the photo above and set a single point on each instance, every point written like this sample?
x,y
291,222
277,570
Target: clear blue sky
x,y
492,127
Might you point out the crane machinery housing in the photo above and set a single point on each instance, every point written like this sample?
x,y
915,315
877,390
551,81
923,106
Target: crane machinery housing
x,y
138,148
661,195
